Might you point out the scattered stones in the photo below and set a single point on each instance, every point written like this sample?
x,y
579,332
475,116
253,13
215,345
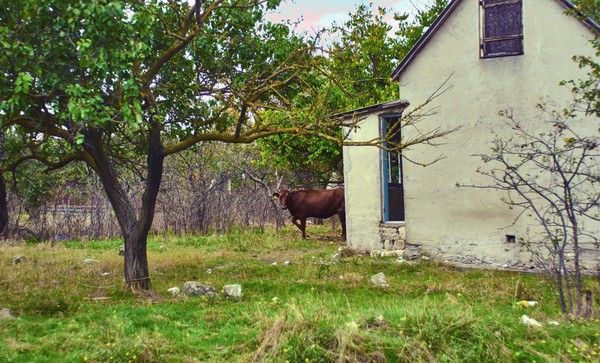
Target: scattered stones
x,y
195,288
174,291
208,271
287,263
89,261
6,314
18,259
274,263
234,290
384,253
530,322
380,280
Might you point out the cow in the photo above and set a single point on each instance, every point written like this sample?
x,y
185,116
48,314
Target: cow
x,y
318,203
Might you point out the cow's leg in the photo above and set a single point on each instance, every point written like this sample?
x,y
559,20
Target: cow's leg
x,y
303,228
301,225
342,216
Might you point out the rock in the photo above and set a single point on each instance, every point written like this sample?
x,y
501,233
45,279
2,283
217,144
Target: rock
x,y
174,291
287,263
336,256
380,280
411,252
208,271
161,248
553,322
531,322
6,314
105,274
122,250
232,290
195,288
385,253
395,253
18,259
528,266
89,261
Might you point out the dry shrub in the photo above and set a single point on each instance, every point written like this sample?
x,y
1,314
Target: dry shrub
x,y
300,335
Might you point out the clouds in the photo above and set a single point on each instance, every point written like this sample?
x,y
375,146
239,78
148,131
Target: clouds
x,y
317,14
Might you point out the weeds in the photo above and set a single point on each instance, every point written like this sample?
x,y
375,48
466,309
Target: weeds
x,y
310,310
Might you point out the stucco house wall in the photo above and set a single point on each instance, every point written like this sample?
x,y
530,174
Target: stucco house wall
x,y
362,187
448,221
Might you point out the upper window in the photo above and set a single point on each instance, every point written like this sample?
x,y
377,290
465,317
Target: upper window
x,y
501,28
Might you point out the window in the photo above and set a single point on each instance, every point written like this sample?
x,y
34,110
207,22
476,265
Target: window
x,y
501,28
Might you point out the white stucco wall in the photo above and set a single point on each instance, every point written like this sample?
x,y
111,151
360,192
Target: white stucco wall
x,y
449,221
362,186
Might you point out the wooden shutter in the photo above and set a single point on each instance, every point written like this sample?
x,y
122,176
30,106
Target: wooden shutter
x,y
502,28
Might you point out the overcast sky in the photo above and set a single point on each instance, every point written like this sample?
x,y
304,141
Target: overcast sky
x,y
321,13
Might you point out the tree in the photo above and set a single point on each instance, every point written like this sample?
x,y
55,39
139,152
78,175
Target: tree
x,y
115,83
552,174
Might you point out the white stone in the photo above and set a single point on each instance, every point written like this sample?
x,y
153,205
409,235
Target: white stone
x,y
174,291
89,261
380,280
234,290
6,314
531,322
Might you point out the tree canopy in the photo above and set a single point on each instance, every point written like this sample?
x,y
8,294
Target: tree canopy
x,y
112,83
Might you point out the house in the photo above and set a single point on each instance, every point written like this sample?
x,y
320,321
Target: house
x,y
495,55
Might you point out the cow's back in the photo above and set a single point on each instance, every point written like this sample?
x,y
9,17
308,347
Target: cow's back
x,y
319,203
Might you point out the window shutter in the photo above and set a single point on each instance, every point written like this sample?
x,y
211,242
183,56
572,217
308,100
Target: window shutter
x,y
502,28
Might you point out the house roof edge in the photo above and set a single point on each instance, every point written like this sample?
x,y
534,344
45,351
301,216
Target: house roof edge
x,y
445,14
391,107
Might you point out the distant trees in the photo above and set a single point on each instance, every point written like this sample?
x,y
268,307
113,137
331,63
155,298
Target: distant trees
x,y
358,57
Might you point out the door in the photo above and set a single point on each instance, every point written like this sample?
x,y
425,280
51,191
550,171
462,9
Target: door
x,y
392,186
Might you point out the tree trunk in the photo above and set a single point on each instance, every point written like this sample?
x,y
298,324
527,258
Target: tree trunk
x,y
135,229
136,271
3,206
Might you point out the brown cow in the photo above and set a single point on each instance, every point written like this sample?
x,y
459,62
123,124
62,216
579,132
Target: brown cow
x,y
318,203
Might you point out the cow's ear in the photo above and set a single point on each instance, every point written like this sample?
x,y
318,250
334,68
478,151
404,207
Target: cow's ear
x,y
275,195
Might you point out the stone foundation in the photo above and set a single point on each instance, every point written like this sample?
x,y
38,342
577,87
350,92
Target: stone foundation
x,y
392,241
392,236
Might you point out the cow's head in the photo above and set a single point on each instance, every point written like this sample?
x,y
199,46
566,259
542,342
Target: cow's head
x,y
282,196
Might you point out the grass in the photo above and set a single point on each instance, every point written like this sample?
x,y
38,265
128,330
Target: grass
x,y
313,310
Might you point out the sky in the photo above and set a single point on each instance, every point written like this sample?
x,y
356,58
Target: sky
x,y
321,13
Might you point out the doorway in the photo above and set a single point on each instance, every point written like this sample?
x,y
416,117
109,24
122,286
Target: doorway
x,y
392,173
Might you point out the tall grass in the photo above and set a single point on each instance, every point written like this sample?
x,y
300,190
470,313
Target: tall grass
x,y
316,309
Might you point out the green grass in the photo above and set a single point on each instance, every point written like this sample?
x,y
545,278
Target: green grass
x,y
310,311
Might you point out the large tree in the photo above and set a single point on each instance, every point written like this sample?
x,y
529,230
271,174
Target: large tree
x,y
124,84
